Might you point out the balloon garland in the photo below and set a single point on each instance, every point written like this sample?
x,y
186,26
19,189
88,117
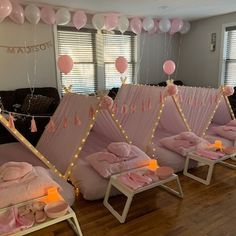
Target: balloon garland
x,y
108,21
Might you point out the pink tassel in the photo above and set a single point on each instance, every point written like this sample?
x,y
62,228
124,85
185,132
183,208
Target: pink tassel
x,y
149,104
180,98
77,120
91,112
124,109
33,127
216,99
161,98
11,121
143,106
133,109
65,123
115,108
51,127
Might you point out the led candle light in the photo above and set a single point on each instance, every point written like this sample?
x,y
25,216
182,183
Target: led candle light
x,y
153,164
52,195
218,144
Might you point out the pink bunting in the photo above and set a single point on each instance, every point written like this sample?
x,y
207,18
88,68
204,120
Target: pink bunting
x,y
11,121
51,127
77,120
91,112
65,122
149,104
143,106
133,109
33,127
124,109
161,98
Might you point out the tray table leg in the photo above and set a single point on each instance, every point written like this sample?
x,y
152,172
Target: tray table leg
x,y
75,225
178,193
125,211
201,180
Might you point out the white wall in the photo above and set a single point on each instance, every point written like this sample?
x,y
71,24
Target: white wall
x,y
14,66
154,50
198,65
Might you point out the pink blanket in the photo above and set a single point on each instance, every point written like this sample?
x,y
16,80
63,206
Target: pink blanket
x,y
32,185
107,163
184,143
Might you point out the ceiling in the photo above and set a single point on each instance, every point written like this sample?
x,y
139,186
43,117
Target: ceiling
x,y
185,9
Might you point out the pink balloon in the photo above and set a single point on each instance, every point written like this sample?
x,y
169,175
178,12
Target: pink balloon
x,y
48,15
136,25
5,8
121,64
17,15
65,64
169,67
79,19
155,28
176,25
111,21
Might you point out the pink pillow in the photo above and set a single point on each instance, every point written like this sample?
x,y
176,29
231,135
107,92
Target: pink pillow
x,y
14,170
225,132
232,123
120,149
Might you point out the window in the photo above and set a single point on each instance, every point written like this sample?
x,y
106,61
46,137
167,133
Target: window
x,y
94,56
80,45
116,45
230,56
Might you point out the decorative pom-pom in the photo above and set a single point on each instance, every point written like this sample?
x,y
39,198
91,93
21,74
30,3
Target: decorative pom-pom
x,y
228,90
107,102
171,89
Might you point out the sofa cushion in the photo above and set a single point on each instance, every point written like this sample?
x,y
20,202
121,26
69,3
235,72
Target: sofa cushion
x,y
8,99
36,104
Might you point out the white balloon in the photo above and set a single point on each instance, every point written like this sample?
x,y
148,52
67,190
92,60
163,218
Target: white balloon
x,y
164,25
98,21
148,23
123,24
32,14
186,27
63,16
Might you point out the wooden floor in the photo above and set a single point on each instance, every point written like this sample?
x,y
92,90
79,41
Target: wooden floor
x,y
204,211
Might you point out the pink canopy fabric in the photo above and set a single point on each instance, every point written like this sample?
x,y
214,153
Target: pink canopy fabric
x,y
199,104
73,121
138,107
147,100
60,146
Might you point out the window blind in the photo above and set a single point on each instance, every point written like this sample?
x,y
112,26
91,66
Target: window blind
x,y
116,45
230,56
80,45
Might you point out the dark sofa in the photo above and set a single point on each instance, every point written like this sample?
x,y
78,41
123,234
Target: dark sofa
x,y
21,101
